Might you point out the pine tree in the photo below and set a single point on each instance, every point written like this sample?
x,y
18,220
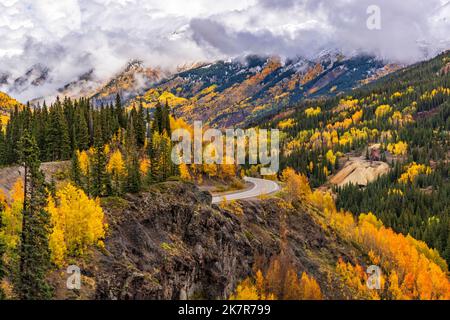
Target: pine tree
x,y
155,172
2,252
140,126
166,119
76,170
165,154
34,250
121,117
133,174
99,176
157,124
57,134
81,130
98,133
3,160
133,183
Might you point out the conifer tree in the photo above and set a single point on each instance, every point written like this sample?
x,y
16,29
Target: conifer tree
x,y
133,174
57,134
140,126
2,252
166,119
157,124
155,172
2,147
120,112
81,130
133,183
76,170
99,177
34,250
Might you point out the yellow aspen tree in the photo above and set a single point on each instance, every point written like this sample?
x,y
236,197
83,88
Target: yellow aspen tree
x,y
144,166
331,158
77,220
83,159
184,172
310,289
246,290
57,243
292,287
12,221
116,168
296,185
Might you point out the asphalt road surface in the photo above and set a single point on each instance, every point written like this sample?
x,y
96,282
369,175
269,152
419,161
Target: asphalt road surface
x,y
260,187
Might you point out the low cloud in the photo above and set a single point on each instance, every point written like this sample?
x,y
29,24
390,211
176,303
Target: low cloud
x,y
72,37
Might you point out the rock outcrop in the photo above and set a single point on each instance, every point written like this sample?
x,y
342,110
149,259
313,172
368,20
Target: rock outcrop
x,y
360,172
171,243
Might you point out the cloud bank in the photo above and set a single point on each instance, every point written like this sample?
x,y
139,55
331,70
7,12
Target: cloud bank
x,y
68,38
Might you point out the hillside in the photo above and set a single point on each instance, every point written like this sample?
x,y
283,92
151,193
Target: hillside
x,y
140,228
227,93
223,93
400,123
174,245
131,80
170,243
7,105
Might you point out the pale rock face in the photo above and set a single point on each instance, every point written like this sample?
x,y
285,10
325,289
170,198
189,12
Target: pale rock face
x,y
359,171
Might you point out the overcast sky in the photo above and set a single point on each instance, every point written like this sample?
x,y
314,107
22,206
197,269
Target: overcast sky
x,y
74,36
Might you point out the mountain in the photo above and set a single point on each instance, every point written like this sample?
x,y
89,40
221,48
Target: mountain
x,y
227,93
390,139
35,76
153,234
7,105
131,80
194,250
128,82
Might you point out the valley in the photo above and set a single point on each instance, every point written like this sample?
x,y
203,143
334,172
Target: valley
x,y
364,181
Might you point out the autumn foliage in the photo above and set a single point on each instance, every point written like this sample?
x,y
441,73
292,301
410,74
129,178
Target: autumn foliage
x,y
410,269
78,222
281,281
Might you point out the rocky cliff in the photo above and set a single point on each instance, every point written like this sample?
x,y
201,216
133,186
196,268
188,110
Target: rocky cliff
x,y
171,243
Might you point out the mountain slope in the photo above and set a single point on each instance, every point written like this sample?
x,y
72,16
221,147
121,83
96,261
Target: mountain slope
x,y
402,122
131,80
171,243
228,93
7,105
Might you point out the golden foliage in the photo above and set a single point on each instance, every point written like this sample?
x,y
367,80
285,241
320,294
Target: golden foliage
x,y
398,149
286,124
331,157
17,192
313,112
413,270
382,111
412,171
296,186
4,118
144,166
8,103
116,164
83,159
12,221
78,222
280,282
184,172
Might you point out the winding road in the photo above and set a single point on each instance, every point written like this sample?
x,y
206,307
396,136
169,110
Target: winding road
x,y
260,187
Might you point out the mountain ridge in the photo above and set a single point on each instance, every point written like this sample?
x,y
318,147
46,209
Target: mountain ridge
x,y
227,93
